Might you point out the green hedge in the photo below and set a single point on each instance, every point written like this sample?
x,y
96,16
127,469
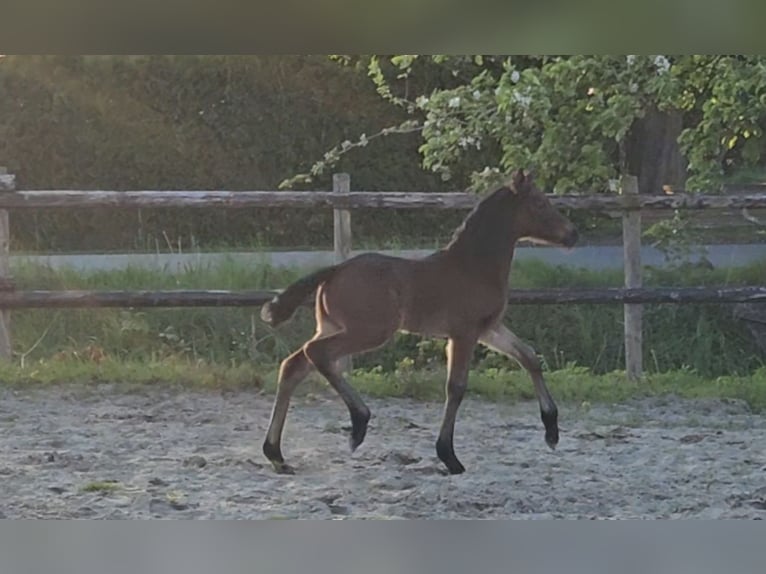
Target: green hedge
x,y
213,122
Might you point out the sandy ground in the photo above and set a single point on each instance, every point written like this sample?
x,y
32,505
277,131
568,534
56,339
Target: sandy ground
x,y
102,452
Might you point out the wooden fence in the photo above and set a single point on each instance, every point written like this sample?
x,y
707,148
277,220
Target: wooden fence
x,y
342,200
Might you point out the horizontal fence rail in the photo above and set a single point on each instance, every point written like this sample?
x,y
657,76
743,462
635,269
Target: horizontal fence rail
x,y
223,298
358,199
628,204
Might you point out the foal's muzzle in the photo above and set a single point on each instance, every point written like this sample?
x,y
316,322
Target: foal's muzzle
x,y
570,238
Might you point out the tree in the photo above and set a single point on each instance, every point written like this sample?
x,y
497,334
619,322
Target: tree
x,y
581,121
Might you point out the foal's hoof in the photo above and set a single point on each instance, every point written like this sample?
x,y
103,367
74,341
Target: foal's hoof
x,y
551,442
455,467
550,420
358,429
283,468
446,454
552,437
274,454
355,439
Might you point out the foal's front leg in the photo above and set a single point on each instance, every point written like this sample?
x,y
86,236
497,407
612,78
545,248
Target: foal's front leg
x,y
459,352
503,340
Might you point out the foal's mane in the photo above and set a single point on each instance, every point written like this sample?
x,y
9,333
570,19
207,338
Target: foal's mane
x,y
483,226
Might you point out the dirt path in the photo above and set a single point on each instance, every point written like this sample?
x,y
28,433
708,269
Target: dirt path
x,y
99,452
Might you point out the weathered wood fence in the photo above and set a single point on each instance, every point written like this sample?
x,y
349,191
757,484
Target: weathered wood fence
x,y
342,200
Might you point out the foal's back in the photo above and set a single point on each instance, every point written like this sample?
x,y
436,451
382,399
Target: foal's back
x,y
429,296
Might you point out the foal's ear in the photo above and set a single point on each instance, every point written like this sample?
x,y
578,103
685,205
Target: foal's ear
x,y
518,182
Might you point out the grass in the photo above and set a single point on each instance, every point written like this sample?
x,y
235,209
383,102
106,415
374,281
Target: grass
x,y
175,371
104,486
703,338
691,351
571,385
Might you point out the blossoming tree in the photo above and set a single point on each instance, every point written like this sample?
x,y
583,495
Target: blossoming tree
x,y
581,120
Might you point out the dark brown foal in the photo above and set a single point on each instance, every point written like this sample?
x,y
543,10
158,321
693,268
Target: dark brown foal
x,y
458,293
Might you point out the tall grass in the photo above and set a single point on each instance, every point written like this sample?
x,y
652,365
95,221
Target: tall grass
x,y
705,339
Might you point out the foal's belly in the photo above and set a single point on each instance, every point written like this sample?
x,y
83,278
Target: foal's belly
x,y
437,330
433,320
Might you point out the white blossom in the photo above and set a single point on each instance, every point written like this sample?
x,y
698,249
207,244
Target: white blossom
x,y
476,94
515,76
633,87
454,102
522,99
662,64
630,60
487,171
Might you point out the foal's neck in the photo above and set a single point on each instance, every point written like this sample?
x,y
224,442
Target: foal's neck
x,y
486,239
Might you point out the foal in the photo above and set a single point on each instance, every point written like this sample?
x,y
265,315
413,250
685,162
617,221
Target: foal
x,y
458,293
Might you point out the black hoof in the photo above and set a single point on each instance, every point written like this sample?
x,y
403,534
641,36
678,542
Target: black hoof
x,y
355,439
358,429
550,420
446,454
282,468
551,440
454,467
274,454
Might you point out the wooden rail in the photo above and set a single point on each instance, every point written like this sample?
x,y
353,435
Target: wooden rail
x,y
629,204
223,298
67,199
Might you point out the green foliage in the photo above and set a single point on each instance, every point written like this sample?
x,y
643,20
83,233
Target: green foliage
x,y
251,122
569,116
728,94
676,239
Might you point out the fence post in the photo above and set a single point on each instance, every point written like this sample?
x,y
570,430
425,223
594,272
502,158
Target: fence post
x,y
341,183
631,241
7,183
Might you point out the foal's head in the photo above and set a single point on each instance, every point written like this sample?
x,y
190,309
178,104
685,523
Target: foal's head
x,y
534,216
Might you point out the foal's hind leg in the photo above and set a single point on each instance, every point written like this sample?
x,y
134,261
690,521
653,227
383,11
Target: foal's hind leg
x,y
292,371
325,353
502,340
459,352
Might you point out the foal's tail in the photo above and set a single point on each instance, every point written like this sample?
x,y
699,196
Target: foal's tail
x,y
282,307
